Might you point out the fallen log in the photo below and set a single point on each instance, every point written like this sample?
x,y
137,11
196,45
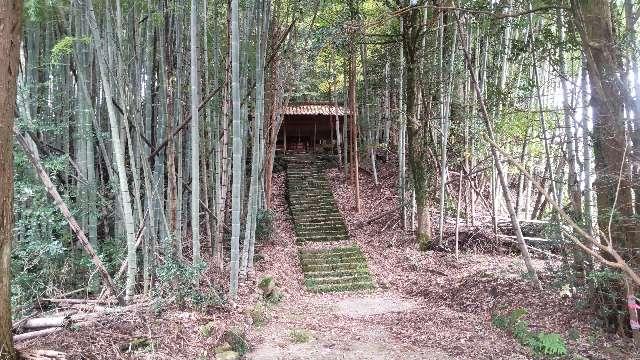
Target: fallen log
x,y
36,334
30,354
46,322
83,301
511,239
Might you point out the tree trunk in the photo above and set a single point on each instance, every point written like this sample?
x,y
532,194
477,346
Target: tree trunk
x,y
417,128
236,152
10,32
610,144
118,152
195,137
353,108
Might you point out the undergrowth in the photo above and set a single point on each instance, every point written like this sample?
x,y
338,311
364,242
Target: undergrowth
x,y
542,343
179,284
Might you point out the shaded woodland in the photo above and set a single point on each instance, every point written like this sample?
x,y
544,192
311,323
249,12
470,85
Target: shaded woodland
x,y
204,165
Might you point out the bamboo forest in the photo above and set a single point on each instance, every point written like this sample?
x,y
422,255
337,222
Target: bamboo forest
x,y
319,179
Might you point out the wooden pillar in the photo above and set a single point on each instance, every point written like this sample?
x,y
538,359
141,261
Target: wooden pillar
x,y
315,130
284,129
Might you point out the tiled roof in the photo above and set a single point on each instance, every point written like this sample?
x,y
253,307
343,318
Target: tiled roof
x,y
315,109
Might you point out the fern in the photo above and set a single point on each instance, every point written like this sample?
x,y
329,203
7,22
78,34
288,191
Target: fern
x,y
547,344
550,344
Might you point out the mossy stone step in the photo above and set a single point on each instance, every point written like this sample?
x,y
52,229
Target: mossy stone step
x,y
322,238
302,195
310,183
337,250
311,282
335,267
365,285
310,217
324,227
313,205
314,211
339,260
312,234
344,255
315,220
309,197
332,218
334,273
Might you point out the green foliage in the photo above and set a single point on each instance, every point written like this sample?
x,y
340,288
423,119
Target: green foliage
x,y
207,329
65,47
299,336
236,338
269,289
179,283
547,344
264,224
259,314
603,291
45,259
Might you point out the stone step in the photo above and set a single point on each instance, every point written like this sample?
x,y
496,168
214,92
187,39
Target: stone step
x,y
334,273
365,285
314,216
312,282
306,175
309,193
308,233
306,203
303,213
314,210
306,196
328,227
335,267
332,251
318,221
318,206
339,260
310,215
310,179
322,238
312,202
311,256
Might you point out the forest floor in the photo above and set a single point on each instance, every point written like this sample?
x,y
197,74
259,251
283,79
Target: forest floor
x,y
426,305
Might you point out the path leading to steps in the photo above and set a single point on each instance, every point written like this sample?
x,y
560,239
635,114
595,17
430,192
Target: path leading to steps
x,y
330,266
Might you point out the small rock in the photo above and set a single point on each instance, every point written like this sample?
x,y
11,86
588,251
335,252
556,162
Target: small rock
x,y
224,347
228,355
267,284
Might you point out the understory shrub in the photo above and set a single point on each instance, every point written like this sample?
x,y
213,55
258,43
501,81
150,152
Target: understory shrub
x,y
264,225
542,343
180,283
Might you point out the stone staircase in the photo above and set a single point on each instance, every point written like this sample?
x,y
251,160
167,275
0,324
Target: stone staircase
x,y
316,218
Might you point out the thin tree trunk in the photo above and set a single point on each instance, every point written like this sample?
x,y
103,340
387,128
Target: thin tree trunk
x,y
118,152
503,183
236,152
355,172
402,131
195,137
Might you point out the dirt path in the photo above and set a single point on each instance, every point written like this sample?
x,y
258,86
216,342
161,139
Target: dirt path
x,y
339,326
